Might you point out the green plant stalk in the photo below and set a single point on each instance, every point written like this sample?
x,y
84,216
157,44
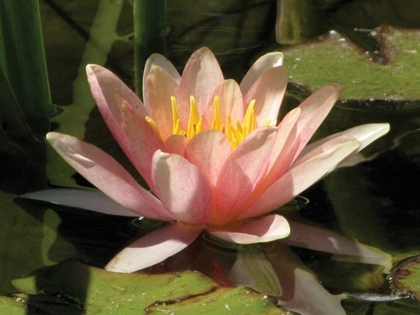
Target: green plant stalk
x,y
149,35
23,61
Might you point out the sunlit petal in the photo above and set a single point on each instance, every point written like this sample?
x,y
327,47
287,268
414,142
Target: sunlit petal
x,y
144,141
160,87
201,76
108,176
153,248
231,104
267,229
265,62
182,188
241,173
161,61
268,92
208,151
365,134
302,175
314,110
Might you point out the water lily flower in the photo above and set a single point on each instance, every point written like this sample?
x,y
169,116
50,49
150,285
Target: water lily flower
x,y
211,150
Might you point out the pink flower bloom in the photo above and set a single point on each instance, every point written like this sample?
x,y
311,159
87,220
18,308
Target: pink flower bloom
x,y
210,150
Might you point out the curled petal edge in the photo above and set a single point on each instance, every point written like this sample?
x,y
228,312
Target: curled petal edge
x,y
266,229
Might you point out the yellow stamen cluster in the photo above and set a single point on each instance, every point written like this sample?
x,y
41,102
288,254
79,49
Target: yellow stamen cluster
x,y
235,132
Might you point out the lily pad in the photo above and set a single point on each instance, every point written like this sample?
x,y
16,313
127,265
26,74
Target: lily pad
x,y
334,58
223,301
74,286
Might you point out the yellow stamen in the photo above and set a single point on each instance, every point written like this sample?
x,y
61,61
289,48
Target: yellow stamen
x,y
153,124
217,121
235,131
194,119
176,122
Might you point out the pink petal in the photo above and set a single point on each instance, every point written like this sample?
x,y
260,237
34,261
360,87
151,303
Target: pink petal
x,y
302,175
160,87
182,188
114,100
241,173
267,229
315,238
268,92
265,62
314,110
153,248
201,76
108,176
93,200
284,147
161,61
208,151
231,103
175,144
143,141
365,134
105,86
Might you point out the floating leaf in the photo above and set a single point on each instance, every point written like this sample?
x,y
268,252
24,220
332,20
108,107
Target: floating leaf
x,y
71,285
336,59
223,301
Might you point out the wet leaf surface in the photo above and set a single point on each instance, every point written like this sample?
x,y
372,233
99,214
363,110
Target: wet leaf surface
x,y
392,76
76,288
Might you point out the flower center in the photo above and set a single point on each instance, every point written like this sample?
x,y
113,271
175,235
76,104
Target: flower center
x,y
236,132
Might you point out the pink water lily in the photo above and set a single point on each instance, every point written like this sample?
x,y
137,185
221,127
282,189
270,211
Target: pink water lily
x,y
210,150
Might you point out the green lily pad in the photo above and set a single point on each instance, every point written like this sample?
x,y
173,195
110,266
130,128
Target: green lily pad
x,y
73,286
223,301
393,76
13,306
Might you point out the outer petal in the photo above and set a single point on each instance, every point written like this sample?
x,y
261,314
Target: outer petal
x,y
182,188
108,176
284,147
268,92
93,200
315,238
161,61
365,134
143,141
314,110
231,103
153,248
105,86
160,87
114,100
208,151
300,176
265,62
201,76
241,173
267,229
